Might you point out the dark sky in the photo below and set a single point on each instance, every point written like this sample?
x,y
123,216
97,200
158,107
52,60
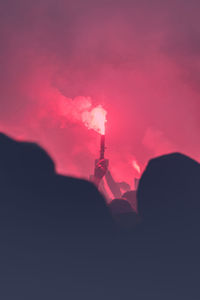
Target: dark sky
x,y
139,59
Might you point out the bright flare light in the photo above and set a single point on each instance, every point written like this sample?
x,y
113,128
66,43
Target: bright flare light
x,y
95,119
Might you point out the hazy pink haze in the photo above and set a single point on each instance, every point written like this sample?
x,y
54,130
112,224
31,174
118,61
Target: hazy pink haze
x,y
140,60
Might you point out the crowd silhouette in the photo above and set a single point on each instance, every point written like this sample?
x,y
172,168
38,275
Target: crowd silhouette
x,y
60,239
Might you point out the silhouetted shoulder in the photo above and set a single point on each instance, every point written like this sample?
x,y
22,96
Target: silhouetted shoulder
x,y
83,201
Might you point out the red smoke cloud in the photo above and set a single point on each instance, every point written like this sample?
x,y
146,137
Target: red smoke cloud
x,y
137,59
78,110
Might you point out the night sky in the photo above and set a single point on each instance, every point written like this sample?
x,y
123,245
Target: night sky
x,y
140,60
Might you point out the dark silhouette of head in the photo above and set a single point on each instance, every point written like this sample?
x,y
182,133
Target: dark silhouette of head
x,y
123,214
53,228
131,197
23,160
120,206
168,191
28,167
36,159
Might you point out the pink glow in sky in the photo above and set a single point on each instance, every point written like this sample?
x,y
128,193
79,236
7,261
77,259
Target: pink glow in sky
x,y
139,60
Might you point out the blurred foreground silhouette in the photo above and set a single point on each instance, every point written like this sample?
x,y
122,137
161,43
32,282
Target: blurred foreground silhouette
x,y
59,239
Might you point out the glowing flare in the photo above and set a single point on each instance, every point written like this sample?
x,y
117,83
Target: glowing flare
x,y
136,166
95,119
81,109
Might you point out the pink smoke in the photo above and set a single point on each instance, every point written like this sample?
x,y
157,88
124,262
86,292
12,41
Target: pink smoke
x,y
79,110
135,60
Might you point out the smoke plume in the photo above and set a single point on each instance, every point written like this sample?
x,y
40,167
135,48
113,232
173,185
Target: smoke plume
x,y
139,60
